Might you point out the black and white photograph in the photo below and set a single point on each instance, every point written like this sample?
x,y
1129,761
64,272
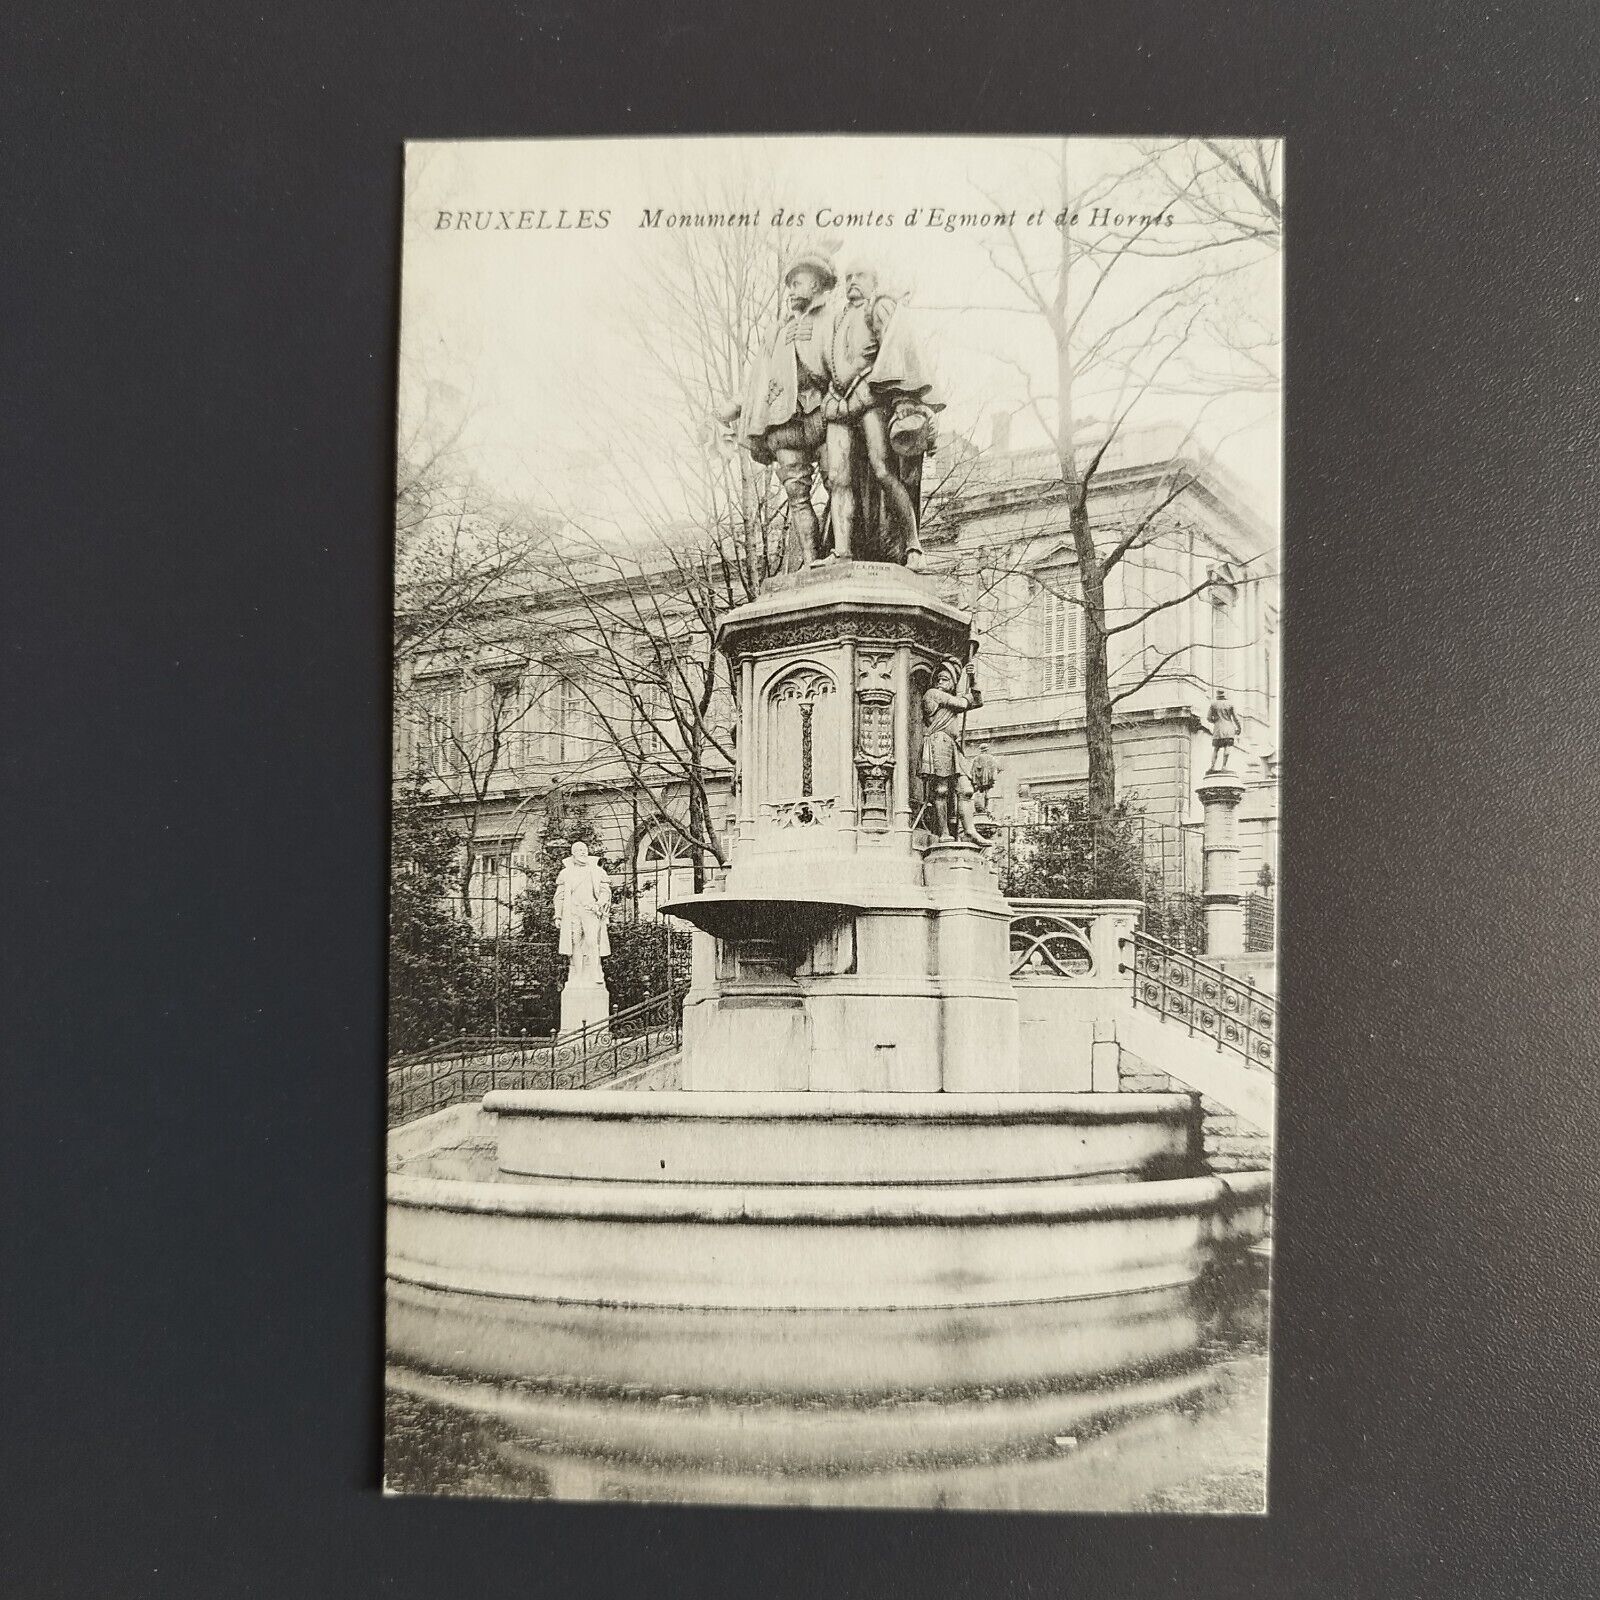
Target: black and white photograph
x,y
835,801
701,712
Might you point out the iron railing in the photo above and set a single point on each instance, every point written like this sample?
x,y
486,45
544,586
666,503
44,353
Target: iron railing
x,y
1151,855
1260,922
1210,1003
467,1068
1046,945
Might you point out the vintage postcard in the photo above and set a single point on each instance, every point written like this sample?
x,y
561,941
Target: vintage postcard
x,y
835,812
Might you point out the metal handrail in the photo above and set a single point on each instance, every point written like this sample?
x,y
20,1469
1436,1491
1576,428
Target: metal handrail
x,y
1212,1004
473,1065
482,1043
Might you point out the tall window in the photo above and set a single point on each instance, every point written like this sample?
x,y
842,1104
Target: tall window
x,y
1060,636
493,891
1222,639
507,715
573,734
655,705
443,726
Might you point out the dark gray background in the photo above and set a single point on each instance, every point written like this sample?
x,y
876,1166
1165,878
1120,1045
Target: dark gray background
x,y
200,207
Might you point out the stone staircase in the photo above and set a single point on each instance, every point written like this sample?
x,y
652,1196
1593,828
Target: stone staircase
x,y
1232,1144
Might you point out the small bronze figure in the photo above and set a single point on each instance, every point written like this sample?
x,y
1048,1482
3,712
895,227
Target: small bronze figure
x,y
942,762
1225,728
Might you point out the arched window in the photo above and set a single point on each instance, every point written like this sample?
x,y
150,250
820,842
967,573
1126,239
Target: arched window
x,y
802,737
666,868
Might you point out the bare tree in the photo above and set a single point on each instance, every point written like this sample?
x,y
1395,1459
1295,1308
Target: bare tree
x,y
461,556
1138,325
707,527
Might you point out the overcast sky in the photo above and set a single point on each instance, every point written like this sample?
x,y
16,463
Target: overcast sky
x,y
517,327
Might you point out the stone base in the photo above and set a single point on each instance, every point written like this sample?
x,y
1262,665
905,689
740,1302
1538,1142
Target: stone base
x,y
811,1292
899,988
584,1005
787,1246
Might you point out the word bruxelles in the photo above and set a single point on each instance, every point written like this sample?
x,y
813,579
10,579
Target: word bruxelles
x,y
518,221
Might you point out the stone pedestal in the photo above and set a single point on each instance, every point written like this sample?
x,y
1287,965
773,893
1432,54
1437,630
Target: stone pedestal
x,y
842,952
584,1005
1220,793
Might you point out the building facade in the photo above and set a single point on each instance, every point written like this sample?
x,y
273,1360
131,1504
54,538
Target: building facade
x,y
601,696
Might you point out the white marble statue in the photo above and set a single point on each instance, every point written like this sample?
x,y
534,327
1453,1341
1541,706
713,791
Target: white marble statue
x,y
582,908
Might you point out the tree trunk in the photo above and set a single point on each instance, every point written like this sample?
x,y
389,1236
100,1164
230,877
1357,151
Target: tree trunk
x,y
1102,796
1097,711
697,831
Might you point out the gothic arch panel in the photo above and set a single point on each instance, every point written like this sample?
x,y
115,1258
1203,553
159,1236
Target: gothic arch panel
x,y
801,736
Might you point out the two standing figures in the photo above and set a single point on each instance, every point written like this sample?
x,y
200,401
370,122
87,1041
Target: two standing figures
x,y
841,384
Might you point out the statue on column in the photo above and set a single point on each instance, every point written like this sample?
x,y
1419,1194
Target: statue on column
x,y
1225,728
841,382
582,907
949,790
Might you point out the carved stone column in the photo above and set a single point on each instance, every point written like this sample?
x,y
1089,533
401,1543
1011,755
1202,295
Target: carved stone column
x,y
849,789
1220,794
747,746
903,754
874,748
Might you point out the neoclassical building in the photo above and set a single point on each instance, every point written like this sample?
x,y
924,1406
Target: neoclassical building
x,y
528,710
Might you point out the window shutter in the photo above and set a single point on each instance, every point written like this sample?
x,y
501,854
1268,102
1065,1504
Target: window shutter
x,y
1061,638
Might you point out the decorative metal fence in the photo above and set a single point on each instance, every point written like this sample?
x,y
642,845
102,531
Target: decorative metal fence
x,y
1156,862
467,1068
1049,943
494,971
1260,922
1203,999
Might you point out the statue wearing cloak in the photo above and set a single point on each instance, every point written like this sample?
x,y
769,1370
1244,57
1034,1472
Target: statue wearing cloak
x,y
582,908
842,382
879,409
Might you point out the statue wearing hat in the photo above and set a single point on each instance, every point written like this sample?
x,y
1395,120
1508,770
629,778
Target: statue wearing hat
x,y
947,775
1223,717
779,420
840,382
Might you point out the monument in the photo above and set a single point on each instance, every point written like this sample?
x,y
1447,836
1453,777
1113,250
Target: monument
x,y
1223,719
848,1257
841,382
1219,792
582,908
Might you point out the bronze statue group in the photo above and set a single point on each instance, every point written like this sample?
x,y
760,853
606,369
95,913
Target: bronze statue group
x,y
842,385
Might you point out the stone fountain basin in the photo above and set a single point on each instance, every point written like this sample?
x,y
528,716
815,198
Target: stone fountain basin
x,y
863,1140
756,1262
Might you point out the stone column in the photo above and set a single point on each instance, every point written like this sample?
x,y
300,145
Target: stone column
x,y
1220,793
747,746
849,803
903,753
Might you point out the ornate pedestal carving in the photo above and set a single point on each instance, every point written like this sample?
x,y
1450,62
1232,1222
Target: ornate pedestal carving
x,y
839,954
